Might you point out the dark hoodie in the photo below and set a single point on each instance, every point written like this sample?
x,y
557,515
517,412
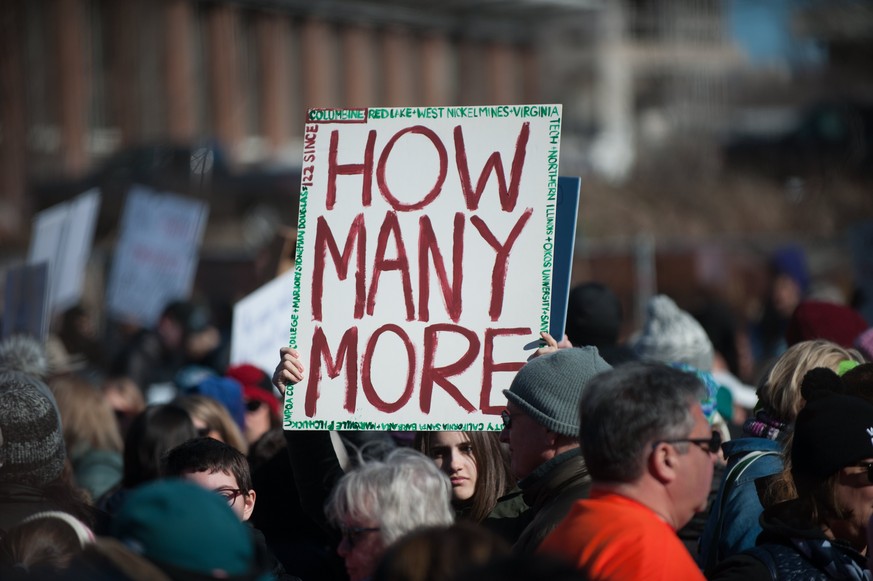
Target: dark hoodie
x,y
790,547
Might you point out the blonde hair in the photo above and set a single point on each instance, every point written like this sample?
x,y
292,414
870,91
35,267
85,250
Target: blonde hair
x,y
87,418
779,393
780,396
216,417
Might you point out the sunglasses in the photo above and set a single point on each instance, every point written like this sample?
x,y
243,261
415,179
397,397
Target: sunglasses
x,y
869,467
353,534
507,420
253,405
710,444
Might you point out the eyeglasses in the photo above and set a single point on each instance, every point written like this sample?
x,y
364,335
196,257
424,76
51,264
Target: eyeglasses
x,y
253,405
869,467
710,444
230,494
352,534
507,420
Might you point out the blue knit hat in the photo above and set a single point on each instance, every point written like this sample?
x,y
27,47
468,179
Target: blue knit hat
x,y
709,402
226,391
186,529
549,387
791,261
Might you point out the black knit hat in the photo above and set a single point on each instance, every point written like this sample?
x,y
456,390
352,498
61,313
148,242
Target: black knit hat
x,y
594,315
833,430
33,442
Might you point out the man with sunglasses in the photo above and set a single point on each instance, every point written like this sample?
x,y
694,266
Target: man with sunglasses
x,y
650,452
541,427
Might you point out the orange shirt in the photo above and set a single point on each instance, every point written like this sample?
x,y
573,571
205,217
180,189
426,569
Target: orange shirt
x,y
609,536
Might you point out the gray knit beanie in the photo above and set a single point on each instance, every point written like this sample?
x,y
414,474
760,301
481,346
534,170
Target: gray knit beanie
x,y
33,443
25,354
670,335
549,387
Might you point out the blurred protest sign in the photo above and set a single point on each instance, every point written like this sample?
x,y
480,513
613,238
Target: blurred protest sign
x,y
565,243
260,324
62,237
424,263
156,257
25,301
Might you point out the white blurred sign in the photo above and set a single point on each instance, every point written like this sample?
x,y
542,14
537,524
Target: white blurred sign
x,y
156,258
260,324
62,237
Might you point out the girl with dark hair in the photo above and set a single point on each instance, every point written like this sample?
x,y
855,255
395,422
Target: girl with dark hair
x,y
483,489
154,432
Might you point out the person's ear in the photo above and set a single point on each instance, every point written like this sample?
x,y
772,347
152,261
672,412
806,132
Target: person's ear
x,y
550,438
663,462
249,506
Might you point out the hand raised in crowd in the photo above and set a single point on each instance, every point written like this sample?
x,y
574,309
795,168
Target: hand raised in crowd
x,y
551,345
289,370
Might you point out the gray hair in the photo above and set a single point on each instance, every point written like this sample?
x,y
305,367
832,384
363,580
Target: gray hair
x,y
625,410
403,492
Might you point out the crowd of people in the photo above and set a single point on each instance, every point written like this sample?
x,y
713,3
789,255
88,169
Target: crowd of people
x,y
645,458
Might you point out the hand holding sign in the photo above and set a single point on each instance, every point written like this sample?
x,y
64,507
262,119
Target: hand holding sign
x,y
289,370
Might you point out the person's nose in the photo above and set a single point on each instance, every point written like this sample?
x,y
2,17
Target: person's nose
x,y
454,462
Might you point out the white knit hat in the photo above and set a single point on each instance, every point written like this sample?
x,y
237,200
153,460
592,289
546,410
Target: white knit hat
x,y
670,335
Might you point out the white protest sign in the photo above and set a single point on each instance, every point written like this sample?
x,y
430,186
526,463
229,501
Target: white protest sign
x,y
424,263
62,237
260,324
156,257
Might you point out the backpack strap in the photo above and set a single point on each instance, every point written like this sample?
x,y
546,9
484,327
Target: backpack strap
x,y
730,480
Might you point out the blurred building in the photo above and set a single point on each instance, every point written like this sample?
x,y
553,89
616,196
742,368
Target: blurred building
x,y
85,78
649,87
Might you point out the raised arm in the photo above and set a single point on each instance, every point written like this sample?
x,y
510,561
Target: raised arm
x,y
313,458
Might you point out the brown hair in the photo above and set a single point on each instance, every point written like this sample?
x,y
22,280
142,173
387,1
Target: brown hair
x,y
492,465
86,416
817,499
46,542
216,417
125,399
440,553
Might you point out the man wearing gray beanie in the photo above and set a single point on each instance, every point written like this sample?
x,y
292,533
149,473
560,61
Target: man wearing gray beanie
x,y
541,426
